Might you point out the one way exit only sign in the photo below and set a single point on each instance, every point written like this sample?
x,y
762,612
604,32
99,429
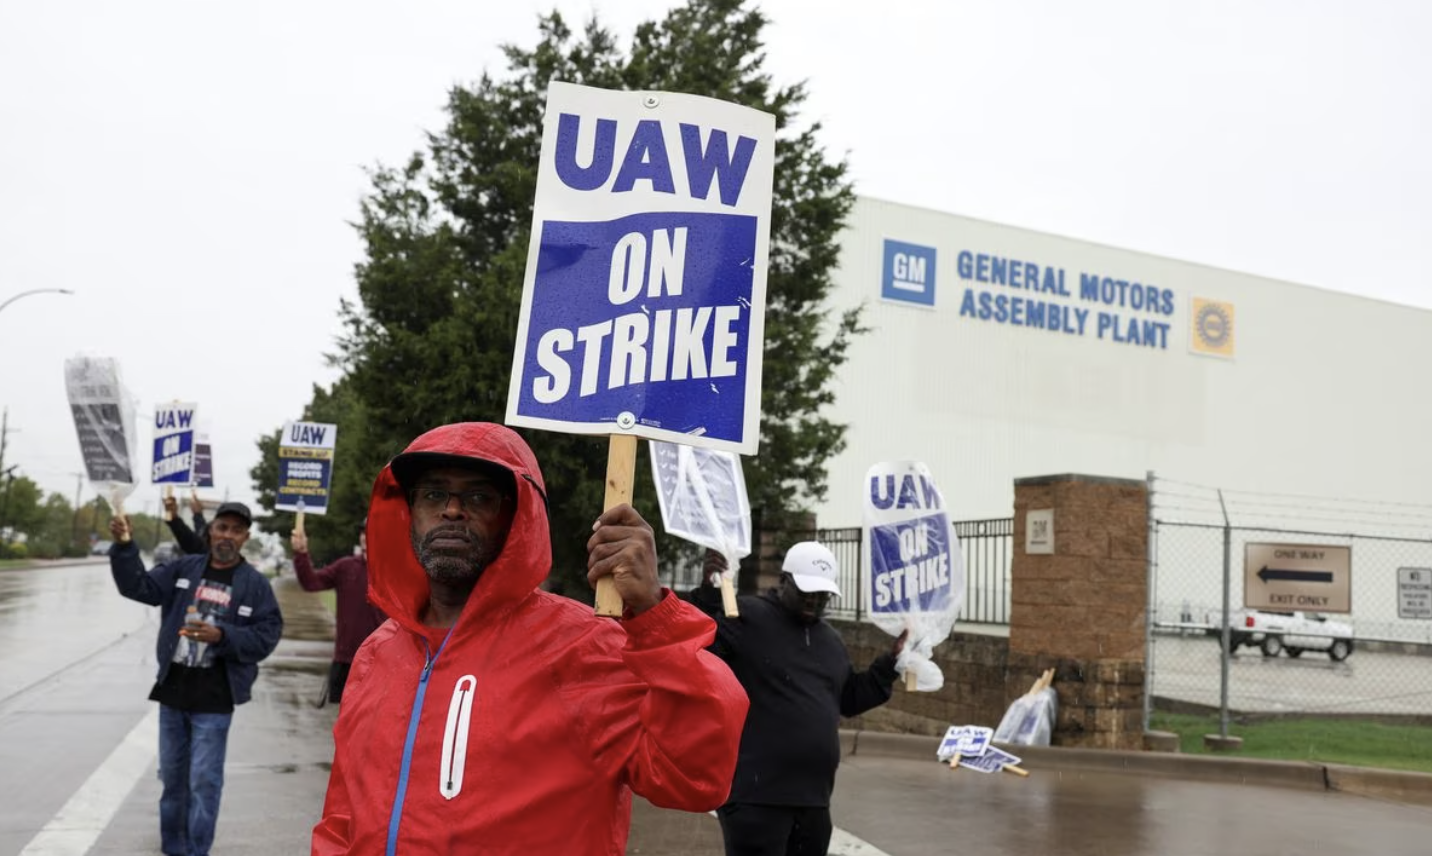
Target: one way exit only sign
x,y
1311,577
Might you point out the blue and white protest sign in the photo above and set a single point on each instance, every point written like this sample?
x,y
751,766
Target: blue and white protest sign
x,y
643,305
968,741
992,761
305,466
702,493
174,428
915,571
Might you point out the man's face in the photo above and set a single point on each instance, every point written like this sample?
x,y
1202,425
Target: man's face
x,y
227,536
807,606
363,543
460,522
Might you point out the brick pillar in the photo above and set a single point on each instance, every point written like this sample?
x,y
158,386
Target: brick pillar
x,y
1082,608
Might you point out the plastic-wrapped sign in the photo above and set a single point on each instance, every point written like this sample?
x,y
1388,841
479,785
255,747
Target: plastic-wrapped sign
x,y
104,420
702,493
915,572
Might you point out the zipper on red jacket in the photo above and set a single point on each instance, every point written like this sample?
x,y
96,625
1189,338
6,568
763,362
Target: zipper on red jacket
x,y
396,816
455,737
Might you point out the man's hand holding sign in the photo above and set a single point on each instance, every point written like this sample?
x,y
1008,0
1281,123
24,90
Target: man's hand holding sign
x,y
644,297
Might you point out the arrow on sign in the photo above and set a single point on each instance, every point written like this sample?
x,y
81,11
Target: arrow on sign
x,y
1269,574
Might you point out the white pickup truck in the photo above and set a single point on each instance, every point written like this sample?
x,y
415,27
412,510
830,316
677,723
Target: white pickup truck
x,y
1292,632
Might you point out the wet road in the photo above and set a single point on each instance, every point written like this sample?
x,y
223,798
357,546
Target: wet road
x,y
77,766
56,616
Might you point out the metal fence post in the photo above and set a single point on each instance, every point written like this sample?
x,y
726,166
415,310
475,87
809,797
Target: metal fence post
x,y
1227,621
1152,608
860,574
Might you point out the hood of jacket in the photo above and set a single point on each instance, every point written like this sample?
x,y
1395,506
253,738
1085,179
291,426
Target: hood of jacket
x,y
397,583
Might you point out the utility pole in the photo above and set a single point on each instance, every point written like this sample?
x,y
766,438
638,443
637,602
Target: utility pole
x,y
4,435
9,476
75,527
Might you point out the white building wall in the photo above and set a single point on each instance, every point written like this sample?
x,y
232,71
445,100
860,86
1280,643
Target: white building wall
x,y
1326,393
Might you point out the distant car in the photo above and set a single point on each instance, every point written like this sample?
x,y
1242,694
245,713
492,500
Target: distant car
x,y
1292,633
100,548
166,551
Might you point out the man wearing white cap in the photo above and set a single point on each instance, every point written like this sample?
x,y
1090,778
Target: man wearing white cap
x,y
797,673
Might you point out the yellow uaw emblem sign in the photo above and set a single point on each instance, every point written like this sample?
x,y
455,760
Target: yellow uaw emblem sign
x,y
1211,330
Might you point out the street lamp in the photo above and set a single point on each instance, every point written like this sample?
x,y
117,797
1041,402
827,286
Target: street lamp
x,y
35,291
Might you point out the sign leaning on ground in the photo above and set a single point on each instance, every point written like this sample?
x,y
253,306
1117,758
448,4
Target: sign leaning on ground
x,y
1309,577
1414,593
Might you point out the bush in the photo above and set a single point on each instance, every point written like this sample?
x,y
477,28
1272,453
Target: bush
x,y
14,551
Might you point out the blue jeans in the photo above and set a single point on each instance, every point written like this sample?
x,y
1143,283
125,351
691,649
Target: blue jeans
x,y
191,767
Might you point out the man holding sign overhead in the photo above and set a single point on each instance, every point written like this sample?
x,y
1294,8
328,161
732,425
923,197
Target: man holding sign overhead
x,y
218,620
490,716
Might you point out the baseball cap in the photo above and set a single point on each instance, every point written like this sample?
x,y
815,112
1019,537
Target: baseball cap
x,y
812,567
238,509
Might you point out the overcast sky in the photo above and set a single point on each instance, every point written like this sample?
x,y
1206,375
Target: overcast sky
x,y
189,169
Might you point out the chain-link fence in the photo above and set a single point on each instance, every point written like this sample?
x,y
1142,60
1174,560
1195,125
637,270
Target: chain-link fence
x,y
1291,653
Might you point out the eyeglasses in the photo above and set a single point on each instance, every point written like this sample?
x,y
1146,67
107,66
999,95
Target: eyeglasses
x,y
483,502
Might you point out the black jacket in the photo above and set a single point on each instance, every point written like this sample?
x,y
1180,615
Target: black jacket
x,y
800,682
190,541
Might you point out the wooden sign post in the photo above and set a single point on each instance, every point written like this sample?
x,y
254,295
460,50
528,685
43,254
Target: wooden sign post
x,y
621,474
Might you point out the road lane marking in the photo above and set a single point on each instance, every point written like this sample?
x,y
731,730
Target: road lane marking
x,y
842,843
77,826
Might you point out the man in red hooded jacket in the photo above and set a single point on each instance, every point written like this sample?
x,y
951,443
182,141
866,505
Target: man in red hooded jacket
x,y
491,717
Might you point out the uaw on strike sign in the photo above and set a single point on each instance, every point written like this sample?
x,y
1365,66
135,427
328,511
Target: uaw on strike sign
x,y
916,570
174,444
644,299
305,466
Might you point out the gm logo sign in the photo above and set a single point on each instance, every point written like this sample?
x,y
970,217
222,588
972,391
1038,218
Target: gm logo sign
x,y
909,273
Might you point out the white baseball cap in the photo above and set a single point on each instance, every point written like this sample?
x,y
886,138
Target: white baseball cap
x,y
812,567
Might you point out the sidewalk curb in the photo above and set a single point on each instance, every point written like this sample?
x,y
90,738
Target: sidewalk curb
x,y
1396,785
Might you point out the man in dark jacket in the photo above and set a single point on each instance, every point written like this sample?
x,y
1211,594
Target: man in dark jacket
x,y
798,675
218,620
354,615
190,541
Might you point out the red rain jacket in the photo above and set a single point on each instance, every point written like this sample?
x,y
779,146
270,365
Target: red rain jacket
x,y
528,730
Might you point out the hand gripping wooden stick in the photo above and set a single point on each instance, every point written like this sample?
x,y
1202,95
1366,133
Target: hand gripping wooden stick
x,y
621,472
116,503
728,598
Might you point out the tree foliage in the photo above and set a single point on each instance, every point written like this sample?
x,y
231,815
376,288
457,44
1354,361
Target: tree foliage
x,y
431,338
